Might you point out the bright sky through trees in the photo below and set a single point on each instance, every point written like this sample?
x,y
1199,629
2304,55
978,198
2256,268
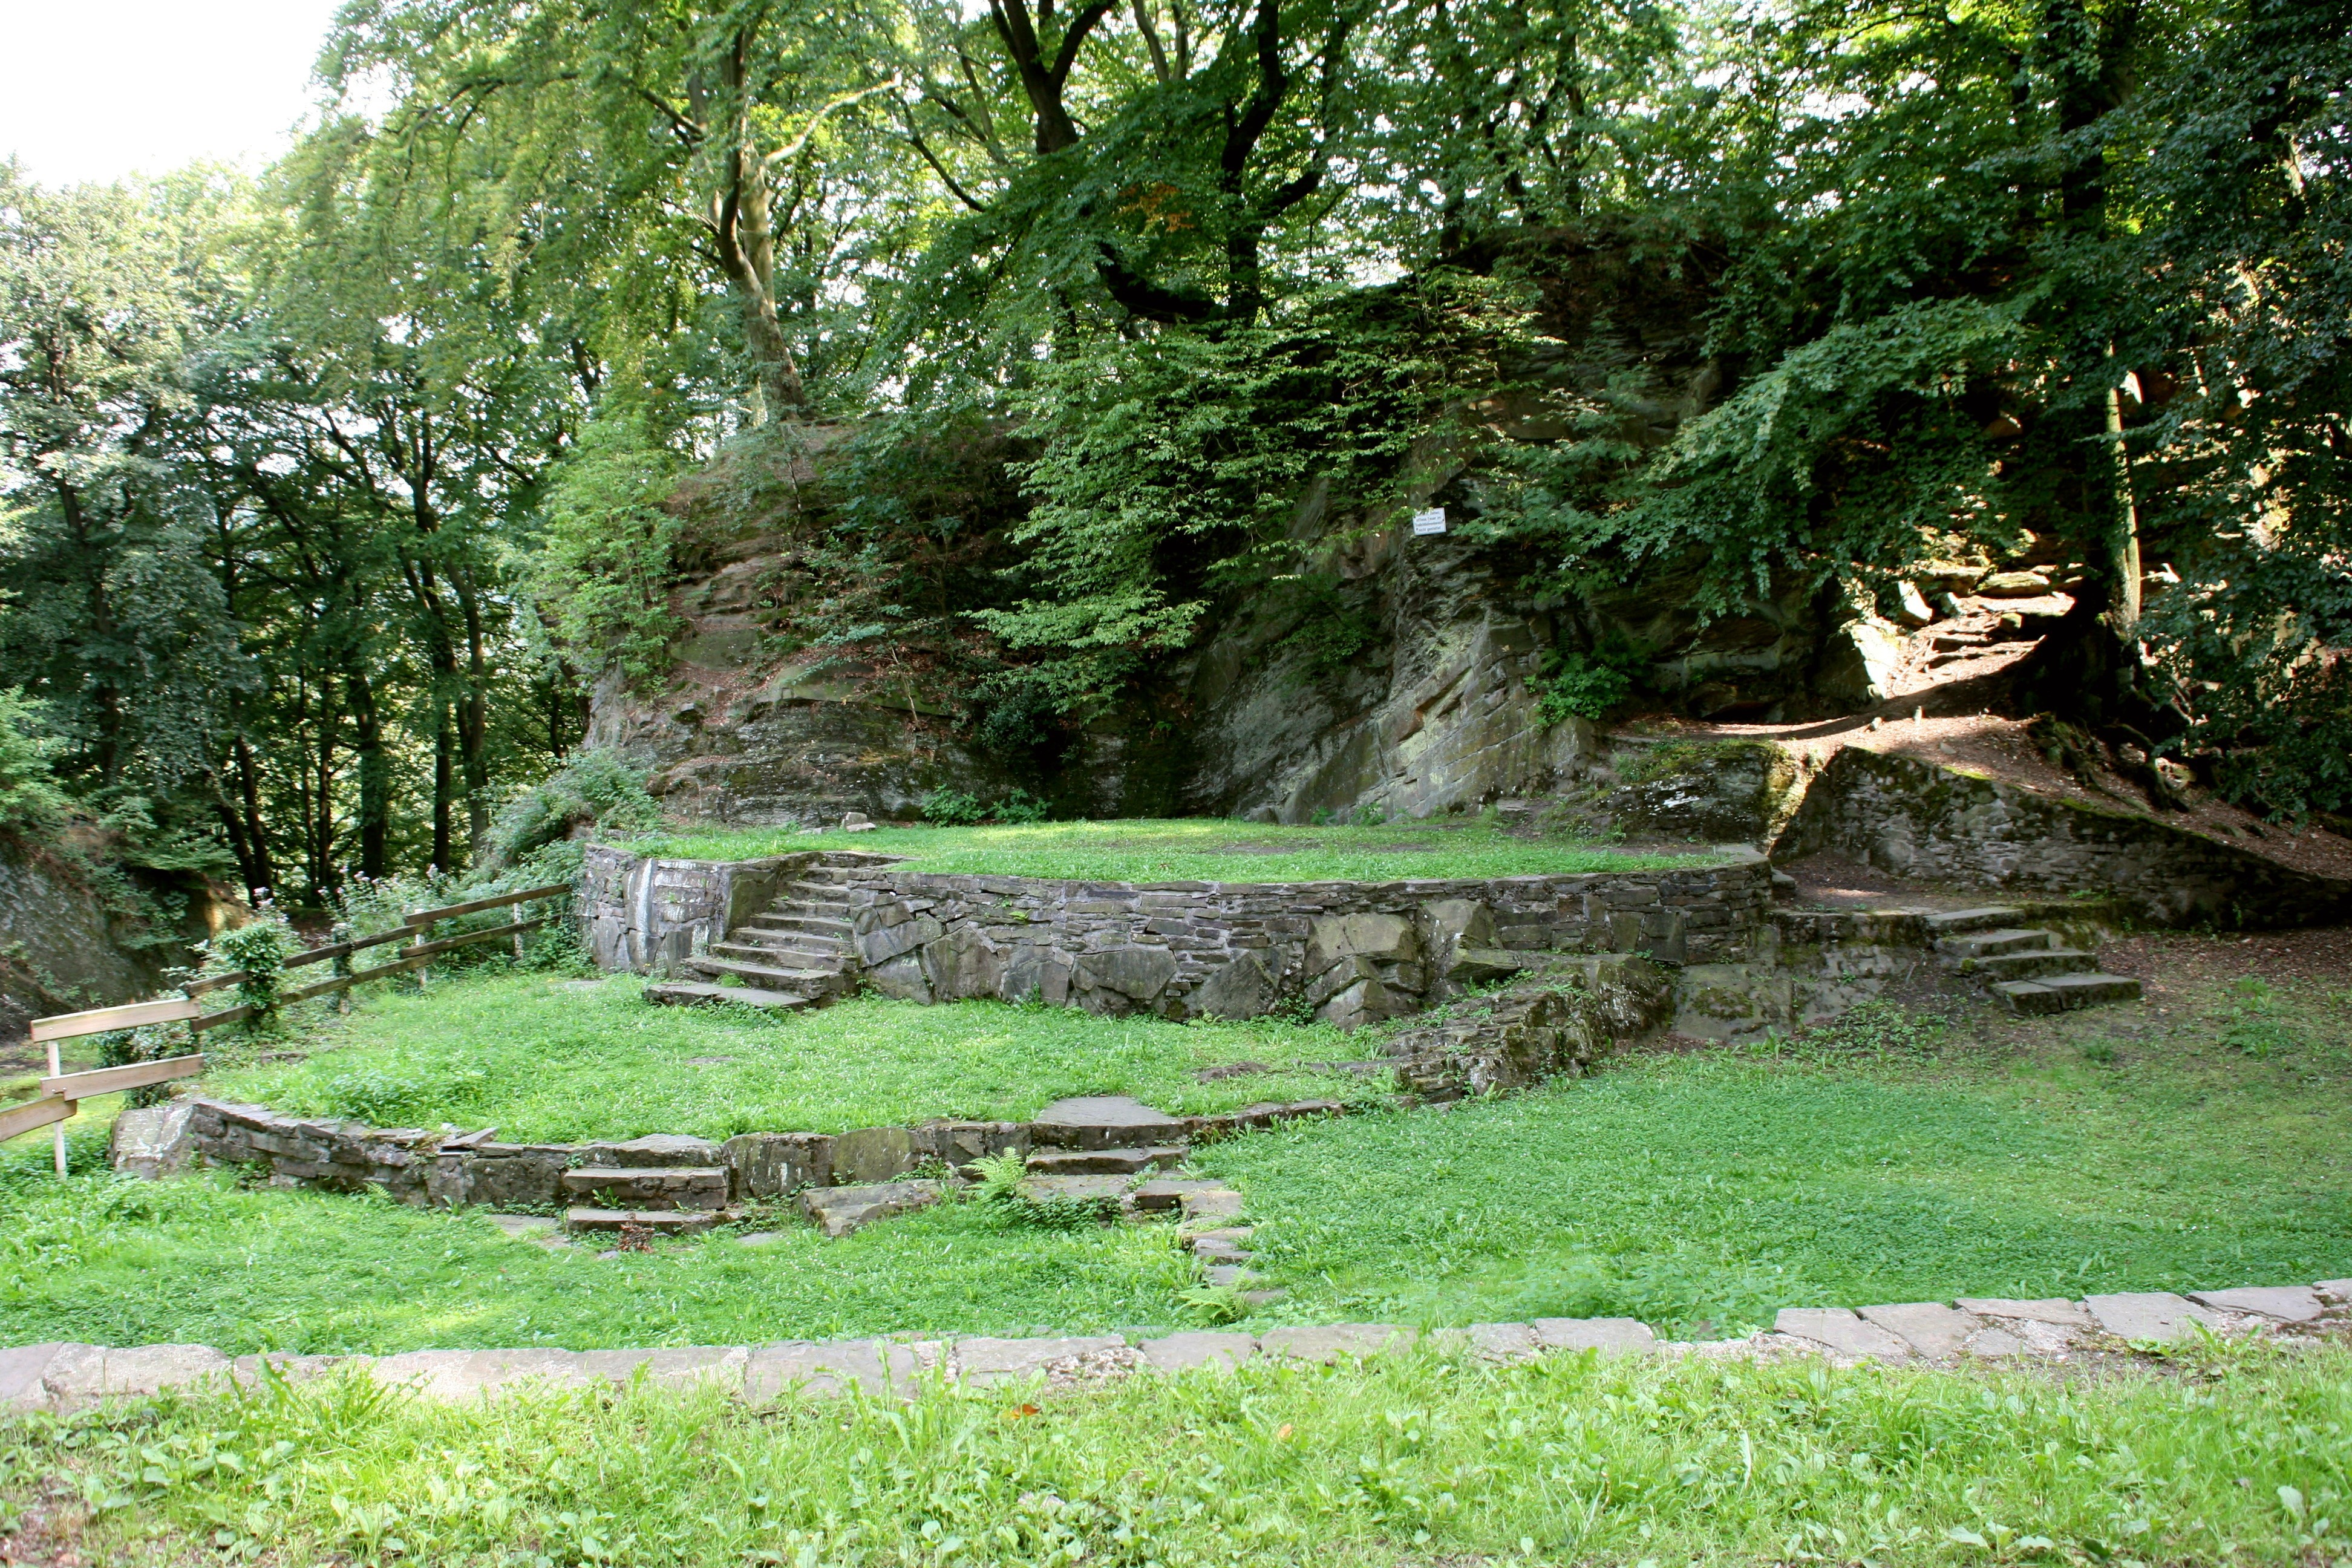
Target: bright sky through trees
x,y
92,92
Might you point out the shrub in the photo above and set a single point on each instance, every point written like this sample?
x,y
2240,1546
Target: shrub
x,y
951,808
29,797
1589,685
595,789
260,949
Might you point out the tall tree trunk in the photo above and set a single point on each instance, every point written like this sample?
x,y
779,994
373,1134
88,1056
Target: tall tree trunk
x,y
375,779
249,787
444,785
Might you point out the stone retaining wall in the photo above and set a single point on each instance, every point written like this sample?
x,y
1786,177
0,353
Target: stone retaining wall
x,y
645,915
442,1171
1354,952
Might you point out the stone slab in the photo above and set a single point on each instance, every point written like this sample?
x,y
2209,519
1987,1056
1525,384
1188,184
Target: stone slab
x,y
1165,1193
984,1361
1337,1340
1104,1161
1994,1344
2287,1303
2147,1315
1930,1327
820,1369
529,1225
1611,1335
1214,1203
2055,1311
838,1210
662,1222
1104,1122
2335,1289
676,1367
23,1371
1188,1352
1502,1341
1842,1330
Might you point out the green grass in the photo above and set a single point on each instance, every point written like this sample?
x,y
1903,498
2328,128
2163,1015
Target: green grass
x,y
1415,1460
1699,1193
554,1061
1200,849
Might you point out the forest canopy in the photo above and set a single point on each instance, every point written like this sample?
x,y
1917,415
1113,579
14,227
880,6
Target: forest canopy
x,y
332,491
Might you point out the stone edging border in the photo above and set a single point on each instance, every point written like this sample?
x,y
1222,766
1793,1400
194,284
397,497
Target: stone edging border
x,y
64,1376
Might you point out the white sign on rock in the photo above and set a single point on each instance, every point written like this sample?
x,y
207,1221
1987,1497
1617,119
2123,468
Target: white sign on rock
x,y
1430,521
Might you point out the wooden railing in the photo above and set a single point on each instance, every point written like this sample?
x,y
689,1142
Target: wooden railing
x,y
60,1089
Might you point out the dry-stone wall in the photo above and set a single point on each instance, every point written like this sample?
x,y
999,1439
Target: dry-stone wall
x,y
663,1171
642,914
1354,952
1916,819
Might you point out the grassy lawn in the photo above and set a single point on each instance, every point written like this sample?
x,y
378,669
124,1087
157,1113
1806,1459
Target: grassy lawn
x,y
1197,849
1699,1193
1414,1460
560,1061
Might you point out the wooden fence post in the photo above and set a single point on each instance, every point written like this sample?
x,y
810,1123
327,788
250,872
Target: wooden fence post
x,y
341,965
57,1133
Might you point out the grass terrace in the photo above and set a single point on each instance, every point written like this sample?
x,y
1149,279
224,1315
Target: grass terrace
x,y
570,1061
1192,850
1893,1157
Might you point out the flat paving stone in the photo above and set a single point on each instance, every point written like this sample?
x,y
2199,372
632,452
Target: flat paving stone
x,y
1930,1327
984,1361
2055,1311
1995,1344
1500,1341
2147,1315
1104,1191
2287,1303
1842,1330
2335,1289
818,1368
760,1238
21,1372
1610,1335
678,1366
1190,1351
1331,1343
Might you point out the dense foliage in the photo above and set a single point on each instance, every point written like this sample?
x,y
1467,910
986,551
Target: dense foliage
x,y
1049,335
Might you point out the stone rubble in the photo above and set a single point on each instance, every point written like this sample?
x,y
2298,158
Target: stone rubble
x,y
63,1377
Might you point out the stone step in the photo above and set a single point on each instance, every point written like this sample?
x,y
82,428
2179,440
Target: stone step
x,y
1952,923
1104,1122
784,954
663,1222
696,993
1165,1195
2032,964
809,982
822,896
792,920
2063,992
1104,1161
1985,944
649,1186
1103,1194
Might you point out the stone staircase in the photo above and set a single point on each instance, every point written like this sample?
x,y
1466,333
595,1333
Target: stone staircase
x,y
2030,969
793,954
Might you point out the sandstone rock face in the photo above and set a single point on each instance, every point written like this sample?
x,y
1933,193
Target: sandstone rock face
x,y
1916,819
61,950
